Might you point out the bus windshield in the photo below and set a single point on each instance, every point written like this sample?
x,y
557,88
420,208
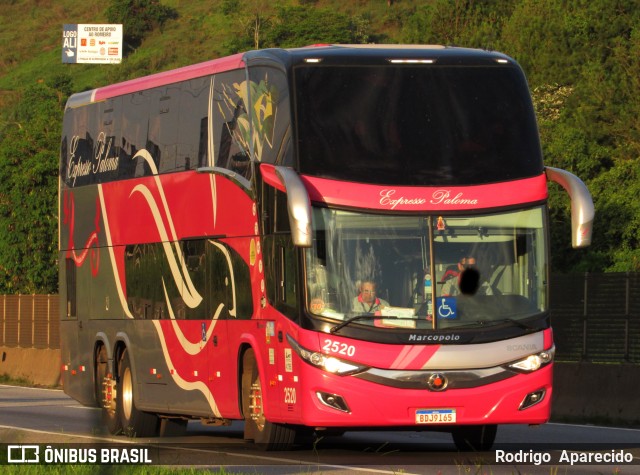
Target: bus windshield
x,y
415,125
403,271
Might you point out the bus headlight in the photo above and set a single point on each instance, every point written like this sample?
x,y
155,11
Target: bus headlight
x,y
534,362
327,363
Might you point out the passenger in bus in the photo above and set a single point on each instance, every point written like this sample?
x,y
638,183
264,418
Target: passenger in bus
x,y
366,301
465,280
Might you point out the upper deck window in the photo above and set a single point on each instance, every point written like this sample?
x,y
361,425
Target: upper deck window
x,y
415,124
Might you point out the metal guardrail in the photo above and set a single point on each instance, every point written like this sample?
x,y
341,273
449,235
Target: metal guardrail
x,y
595,317
29,321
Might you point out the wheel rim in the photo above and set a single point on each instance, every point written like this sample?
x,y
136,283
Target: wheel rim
x,y
127,393
102,397
255,405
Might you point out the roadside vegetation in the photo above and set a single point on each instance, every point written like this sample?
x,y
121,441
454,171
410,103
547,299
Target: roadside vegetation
x,y
582,58
109,470
12,381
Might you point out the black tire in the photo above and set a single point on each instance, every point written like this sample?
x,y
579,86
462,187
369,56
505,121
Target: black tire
x,y
110,417
265,434
134,423
474,438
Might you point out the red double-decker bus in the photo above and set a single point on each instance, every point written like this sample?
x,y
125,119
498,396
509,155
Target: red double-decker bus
x,y
323,238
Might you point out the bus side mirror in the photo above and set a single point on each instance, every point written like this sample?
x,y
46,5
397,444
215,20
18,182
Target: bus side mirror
x,y
298,205
582,210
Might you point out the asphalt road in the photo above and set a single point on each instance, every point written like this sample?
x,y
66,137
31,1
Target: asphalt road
x,y
42,416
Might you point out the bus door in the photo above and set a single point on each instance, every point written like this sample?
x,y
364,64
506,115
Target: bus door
x,y
280,376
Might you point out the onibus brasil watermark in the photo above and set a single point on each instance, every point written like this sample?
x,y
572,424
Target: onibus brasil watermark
x,y
35,454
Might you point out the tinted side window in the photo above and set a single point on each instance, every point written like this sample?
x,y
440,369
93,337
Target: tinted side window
x,y
231,128
271,115
205,279
281,273
163,127
192,124
135,124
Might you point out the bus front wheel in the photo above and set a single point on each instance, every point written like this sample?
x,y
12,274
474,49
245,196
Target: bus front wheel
x,y
265,434
135,423
474,438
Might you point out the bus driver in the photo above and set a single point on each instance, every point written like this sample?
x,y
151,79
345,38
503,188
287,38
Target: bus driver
x,y
366,301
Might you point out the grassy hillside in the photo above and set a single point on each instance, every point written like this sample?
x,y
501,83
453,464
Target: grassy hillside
x,y
31,35
581,58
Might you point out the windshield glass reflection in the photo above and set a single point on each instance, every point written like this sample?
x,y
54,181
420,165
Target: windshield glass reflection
x,y
407,271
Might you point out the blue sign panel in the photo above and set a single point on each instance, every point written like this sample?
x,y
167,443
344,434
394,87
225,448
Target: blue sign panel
x,y
447,308
70,43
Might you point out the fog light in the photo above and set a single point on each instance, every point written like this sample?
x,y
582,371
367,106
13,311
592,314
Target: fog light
x,y
333,400
532,399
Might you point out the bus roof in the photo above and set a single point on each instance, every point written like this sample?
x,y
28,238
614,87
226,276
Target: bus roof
x,y
156,80
334,54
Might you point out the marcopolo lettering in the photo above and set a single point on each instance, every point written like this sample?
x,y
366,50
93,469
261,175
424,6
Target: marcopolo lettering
x,y
434,338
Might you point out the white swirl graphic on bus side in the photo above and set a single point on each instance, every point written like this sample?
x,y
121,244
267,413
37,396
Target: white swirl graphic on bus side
x,y
112,257
188,292
188,346
183,384
212,152
180,273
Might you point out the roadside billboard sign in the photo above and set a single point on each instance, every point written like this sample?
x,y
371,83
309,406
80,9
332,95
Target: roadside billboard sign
x,y
97,44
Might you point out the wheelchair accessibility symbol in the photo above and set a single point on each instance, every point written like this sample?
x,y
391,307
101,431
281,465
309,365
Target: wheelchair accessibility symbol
x,y
447,309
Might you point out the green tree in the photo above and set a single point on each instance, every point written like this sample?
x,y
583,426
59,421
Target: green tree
x,y
618,224
302,26
251,18
139,17
581,58
470,23
28,191
292,26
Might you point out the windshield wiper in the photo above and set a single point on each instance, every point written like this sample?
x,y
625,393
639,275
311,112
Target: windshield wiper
x,y
366,317
482,323
520,324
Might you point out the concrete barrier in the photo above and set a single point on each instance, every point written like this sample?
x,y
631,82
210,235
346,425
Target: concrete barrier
x,y
583,392
596,393
40,367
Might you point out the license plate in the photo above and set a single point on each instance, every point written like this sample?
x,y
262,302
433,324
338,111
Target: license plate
x,y
435,416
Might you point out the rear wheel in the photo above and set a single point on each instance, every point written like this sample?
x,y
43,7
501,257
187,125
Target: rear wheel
x,y
474,438
268,435
135,423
